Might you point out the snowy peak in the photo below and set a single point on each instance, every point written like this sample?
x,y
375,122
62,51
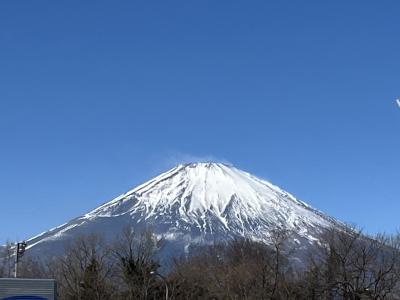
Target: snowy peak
x,y
205,186
199,203
211,197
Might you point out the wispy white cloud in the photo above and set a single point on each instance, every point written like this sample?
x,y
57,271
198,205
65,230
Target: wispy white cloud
x,y
182,158
167,160
177,158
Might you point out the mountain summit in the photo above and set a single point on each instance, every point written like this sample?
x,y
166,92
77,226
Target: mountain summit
x,y
197,203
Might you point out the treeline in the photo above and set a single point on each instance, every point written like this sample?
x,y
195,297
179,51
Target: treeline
x,y
344,265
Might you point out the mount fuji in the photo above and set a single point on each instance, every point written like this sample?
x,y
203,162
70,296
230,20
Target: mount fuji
x,y
196,204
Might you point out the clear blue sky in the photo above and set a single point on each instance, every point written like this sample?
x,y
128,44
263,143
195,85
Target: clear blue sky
x,y
98,96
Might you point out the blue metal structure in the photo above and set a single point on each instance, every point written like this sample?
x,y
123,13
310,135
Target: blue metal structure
x,y
27,289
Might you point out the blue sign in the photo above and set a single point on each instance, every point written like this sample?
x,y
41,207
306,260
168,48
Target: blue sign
x,y
27,289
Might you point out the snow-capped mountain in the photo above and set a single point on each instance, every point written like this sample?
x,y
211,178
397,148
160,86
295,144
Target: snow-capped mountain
x,y
197,203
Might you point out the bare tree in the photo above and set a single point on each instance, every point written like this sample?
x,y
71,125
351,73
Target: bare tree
x,y
239,269
135,254
85,271
30,267
350,265
7,260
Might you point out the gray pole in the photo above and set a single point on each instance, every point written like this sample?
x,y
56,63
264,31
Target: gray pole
x,y
16,261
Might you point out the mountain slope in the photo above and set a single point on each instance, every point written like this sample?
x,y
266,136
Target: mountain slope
x,y
194,204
